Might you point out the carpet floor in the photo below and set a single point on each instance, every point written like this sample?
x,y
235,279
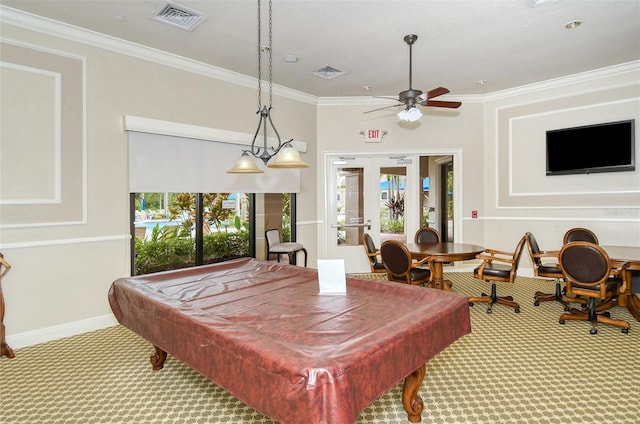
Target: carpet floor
x,y
512,368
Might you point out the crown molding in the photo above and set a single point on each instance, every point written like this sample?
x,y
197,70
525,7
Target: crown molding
x,y
95,39
69,32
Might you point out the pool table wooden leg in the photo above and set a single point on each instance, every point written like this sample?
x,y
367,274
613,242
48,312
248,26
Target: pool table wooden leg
x,y
158,358
410,399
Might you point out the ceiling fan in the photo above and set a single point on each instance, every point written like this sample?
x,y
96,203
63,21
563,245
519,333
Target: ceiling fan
x,y
411,97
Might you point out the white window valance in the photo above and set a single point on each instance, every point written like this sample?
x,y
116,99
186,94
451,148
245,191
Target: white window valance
x,y
182,158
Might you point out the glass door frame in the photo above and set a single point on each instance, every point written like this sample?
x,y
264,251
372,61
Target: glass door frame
x,y
324,233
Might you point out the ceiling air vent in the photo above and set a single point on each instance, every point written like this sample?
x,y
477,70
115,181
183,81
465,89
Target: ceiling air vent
x,y
180,16
327,72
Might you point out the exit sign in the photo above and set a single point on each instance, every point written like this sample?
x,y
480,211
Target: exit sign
x,y
373,136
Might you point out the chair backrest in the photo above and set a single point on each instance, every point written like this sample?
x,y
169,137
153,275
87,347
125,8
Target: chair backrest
x,y
518,254
427,235
370,248
580,234
396,258
534,249
585,264
272,236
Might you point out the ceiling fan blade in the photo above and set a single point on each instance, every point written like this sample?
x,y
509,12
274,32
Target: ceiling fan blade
x,y
386,107
431,94
443,103
384,97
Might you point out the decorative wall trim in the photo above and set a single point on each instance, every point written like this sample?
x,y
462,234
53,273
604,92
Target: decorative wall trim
x,y
62,242
56,88
56,332
69,203
554,219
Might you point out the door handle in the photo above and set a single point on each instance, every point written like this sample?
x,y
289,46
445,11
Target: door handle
x,y
366,224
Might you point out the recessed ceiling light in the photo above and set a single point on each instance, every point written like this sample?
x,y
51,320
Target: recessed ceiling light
x,y
290,58
481,82
573,24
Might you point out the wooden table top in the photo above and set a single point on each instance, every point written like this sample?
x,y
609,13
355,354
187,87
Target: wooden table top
x,y
445,251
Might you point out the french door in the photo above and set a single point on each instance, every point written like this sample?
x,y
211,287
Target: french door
x,y
377,194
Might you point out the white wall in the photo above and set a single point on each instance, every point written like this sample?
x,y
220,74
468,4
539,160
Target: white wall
x,y
61,272
62,268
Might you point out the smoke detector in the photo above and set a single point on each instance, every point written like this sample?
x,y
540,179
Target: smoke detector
x,y
327,72
179,16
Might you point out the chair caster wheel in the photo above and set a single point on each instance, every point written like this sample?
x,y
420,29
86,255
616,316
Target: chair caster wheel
x,y
593,331
517,310
536,303
567,308
489,311
625,330
470,303
561,321
606,314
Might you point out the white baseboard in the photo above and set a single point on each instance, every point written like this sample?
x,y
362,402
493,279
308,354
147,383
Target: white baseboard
x,y
56,332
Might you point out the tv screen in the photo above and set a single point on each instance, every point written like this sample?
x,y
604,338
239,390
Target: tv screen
x,y
608,147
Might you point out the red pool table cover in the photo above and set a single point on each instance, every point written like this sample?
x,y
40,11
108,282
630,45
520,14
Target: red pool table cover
x,y
262,332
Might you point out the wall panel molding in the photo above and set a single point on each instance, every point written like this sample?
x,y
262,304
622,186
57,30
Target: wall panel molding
x,y
44,160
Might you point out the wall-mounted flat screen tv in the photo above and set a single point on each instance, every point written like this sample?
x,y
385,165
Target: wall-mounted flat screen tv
x,y
608,147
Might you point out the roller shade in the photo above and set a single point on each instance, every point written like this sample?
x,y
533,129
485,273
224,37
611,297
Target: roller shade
x,y
164,163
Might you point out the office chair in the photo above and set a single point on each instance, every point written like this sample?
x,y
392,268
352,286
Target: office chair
x,y
548,268
373,253
496,266
401,267
580,234
588,273
427,235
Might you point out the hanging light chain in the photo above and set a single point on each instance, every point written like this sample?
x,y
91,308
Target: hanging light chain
x,y
270,57
259,59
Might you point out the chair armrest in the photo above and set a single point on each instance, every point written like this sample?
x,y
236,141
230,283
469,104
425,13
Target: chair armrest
x,y
495,255
619,269
546,254
418,264
373,254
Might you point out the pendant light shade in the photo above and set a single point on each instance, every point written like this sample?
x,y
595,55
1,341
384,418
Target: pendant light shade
x,y
288,157
283,155
245,164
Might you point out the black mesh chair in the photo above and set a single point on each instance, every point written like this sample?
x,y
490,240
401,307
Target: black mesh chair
x,y
401,267
373,253
498,266
588,273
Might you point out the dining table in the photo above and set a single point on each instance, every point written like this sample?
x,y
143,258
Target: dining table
x,y
442,253
620,255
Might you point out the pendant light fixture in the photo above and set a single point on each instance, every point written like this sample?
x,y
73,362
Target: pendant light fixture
x,y
283,155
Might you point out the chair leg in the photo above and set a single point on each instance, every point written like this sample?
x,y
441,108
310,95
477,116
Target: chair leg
x,y
493,298
594,314
547,297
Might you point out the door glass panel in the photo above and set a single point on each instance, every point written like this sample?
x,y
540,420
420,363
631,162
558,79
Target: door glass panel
x,y
350,206
392,196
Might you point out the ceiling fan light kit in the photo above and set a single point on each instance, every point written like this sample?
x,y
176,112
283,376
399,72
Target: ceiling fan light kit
x,y
412,97
411,115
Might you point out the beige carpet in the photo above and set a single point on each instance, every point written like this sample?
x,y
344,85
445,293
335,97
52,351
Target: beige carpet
x,y
512,368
